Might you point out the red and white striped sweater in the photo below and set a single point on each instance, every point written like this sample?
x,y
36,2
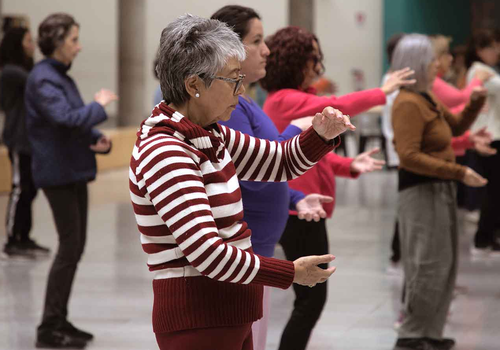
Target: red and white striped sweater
x,y
187,203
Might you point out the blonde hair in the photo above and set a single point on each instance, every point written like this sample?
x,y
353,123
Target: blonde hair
x,y
441,44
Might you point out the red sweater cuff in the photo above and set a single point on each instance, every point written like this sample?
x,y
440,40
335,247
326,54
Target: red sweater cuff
x,y
275,273
314,147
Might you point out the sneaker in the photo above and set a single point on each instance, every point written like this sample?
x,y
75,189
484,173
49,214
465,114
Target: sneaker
x,y
413,344
442,344
394,269
37,249
400,320
58,340
479,252
72,331
472,216
18,251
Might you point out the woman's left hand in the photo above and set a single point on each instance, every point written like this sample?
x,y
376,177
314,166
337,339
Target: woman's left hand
x,y
477,93
331,123
482,139
364,163
311,208
102,145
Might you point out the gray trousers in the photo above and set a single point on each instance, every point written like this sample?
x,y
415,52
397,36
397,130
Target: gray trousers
x,y
427,217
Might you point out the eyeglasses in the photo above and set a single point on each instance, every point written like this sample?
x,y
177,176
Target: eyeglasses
x,y
238,82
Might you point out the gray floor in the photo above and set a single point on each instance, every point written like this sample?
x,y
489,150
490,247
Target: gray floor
x,y
112,294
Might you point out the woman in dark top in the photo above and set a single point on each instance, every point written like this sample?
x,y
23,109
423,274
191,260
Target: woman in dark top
x,y
16,60
64,143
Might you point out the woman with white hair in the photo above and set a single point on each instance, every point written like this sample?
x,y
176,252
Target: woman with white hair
x,y
184,173
423,128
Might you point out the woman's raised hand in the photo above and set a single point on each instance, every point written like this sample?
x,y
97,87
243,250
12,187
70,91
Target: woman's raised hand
x,y
331,123
104,97
302,123
398,79
478,92
307,272
483,75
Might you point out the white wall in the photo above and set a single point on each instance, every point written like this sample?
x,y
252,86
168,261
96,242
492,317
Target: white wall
x,y
159,13
346,44
96,65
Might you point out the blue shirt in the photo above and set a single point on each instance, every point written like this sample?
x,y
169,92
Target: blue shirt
x,y
265,204
60,126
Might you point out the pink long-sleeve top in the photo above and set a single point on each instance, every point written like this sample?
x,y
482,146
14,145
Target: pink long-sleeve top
x,y
285,105
456,99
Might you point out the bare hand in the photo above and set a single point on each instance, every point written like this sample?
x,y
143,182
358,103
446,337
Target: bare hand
x,y
483,75
398,79
307,272
102,145
477,93
104,97
364,163
302,123
311,208
473,179
331,123
482,140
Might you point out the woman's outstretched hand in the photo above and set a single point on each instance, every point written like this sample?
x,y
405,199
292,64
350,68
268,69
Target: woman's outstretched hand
x,y
311,207
331,123
307,272
398,79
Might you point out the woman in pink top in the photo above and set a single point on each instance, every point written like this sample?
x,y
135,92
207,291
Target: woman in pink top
x,y
294,63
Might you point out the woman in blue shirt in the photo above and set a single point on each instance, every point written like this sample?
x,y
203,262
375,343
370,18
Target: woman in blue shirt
x,y
265,205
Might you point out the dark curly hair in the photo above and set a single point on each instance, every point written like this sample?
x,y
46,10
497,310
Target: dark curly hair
x,y
479,40
237,17
53,30
12,51
291,48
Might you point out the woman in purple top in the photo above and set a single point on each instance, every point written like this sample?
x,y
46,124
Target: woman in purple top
x,y
265,205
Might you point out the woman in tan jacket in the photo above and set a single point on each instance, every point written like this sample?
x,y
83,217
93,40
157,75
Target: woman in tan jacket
x,y
427,216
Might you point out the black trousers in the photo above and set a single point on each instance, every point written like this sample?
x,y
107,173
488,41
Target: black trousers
x,y
470,198
18,218
302,238
489,222
69,204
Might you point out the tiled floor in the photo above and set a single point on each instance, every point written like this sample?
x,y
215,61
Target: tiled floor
x,y
112,294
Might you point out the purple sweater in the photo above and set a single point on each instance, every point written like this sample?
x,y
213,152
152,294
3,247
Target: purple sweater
x,y
265,204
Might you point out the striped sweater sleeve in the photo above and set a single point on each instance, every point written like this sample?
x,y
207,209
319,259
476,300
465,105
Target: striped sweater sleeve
x,y
272,161
171,177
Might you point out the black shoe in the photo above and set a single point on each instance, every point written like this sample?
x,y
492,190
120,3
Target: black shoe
x,y
58,340
74,332
441,344
37,249
412,344
17,250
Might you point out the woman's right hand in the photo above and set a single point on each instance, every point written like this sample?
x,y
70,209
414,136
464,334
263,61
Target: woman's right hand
x,y
307,272
398,79
473,179
483,75
302,123
104,97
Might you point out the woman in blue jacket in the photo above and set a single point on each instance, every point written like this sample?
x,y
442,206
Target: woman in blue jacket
x,y
64,143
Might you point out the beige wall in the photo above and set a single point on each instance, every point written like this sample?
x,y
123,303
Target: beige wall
x,y
159,13
96,66
346,44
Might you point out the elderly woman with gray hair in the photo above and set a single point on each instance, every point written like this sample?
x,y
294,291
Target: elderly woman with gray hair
x,y
184,173
427,216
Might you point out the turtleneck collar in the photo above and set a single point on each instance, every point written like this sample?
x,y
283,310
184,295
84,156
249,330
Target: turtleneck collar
x,y
166,120
61,67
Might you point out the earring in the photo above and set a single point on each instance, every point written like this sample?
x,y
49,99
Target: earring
x,y
197,95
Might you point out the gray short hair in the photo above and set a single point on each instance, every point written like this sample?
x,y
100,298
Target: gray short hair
x,y
414,51
194,46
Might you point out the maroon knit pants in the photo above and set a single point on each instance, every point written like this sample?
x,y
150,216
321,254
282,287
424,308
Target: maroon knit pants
x,y
217,338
